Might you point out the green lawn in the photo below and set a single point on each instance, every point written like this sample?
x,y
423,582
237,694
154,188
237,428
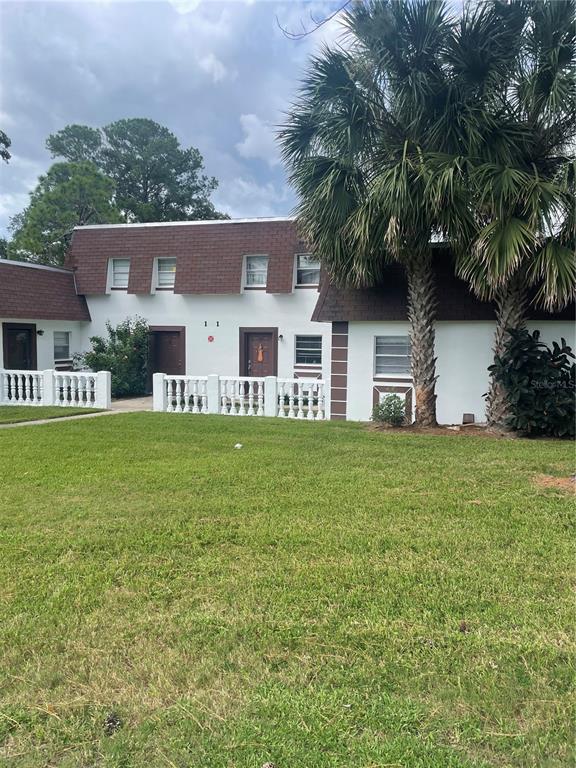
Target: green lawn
x,y
325,596
13,414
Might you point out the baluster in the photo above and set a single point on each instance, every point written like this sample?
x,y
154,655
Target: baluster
x,y
223,391
169,395
281,395
300,400
236,398
310,415
291,413
320,409
204,397
260,398
250,410
189,390
34,382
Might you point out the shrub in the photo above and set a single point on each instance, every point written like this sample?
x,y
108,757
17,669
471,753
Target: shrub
x,y
391,410
124,353
540,384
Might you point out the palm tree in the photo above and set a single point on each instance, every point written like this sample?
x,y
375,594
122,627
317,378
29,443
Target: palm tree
x,y
525,232
364,143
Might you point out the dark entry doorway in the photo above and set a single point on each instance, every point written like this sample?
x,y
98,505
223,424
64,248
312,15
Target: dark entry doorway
x,y
258,351
19,341
167,351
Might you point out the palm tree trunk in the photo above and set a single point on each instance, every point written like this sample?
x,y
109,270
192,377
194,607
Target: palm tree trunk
x,y
511,308
422,314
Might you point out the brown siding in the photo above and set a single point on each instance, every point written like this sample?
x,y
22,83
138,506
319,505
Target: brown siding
x,y
339,371
209,256
38,293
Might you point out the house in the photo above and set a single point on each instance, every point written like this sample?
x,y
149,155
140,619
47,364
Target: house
x,y
243,298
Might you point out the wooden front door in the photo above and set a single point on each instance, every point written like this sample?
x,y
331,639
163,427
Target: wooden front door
x,y
19,341
167,351
259,352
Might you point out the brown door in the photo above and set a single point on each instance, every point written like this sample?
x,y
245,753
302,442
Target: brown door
x,y
19,346
167,351
259,358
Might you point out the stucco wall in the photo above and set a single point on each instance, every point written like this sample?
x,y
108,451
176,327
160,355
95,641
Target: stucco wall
x,y
220,317
79,331
464,351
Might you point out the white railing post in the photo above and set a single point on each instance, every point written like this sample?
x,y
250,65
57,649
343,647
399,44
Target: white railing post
x,y
159,400
3,386
270,396
48,388
103,397
213,393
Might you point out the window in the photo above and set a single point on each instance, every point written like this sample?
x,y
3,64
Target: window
x,y
256,271
166,273
61,345
392,355
120,272
309,350
307,269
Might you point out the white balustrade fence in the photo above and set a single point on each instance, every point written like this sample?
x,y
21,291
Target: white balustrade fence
x,y
77,389
240,396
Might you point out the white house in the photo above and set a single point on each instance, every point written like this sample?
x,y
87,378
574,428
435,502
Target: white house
x,y
243,298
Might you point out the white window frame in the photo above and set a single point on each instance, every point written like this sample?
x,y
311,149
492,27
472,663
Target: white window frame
x,y
255,286
297,269
308,336
112,275
69,356
390,374
159,285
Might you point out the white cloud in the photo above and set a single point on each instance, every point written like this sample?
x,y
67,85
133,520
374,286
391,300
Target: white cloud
x,y
259,140
241,197
214,67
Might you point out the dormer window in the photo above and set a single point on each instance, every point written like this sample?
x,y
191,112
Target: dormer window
x,y
120,271
256,271
165,273
307,270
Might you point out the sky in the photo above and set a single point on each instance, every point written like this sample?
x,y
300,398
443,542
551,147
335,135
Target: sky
x,y
219,75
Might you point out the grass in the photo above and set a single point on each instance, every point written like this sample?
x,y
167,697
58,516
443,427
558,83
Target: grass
x,y
324,597
14,414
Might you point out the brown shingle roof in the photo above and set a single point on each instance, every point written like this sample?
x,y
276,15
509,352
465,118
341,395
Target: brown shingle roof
x,y
209,255
389,300
32,291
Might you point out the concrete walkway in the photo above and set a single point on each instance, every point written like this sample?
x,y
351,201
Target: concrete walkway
x,y
130,405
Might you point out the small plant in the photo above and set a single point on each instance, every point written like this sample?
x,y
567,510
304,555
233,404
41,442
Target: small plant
x,y
390,410
540,384
124,353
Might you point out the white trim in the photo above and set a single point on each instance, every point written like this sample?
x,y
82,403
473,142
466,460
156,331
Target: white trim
x,y
257,220
36,266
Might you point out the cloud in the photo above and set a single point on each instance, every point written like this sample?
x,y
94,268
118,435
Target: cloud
x,y
218,74
214,67
245,197
259,140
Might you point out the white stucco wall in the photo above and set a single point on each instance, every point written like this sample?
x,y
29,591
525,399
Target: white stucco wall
x,y
220,317
464,351
45,341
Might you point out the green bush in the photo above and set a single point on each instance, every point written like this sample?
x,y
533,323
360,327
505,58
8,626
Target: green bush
x,y
391,410
124,353
540,384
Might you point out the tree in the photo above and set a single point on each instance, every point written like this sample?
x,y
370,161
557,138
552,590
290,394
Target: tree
x,y
76,144
155,178
68,195
525,231
363,144
4,144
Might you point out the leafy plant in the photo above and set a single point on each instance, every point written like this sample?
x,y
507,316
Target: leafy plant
x,y
124,353
390,410
539,383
